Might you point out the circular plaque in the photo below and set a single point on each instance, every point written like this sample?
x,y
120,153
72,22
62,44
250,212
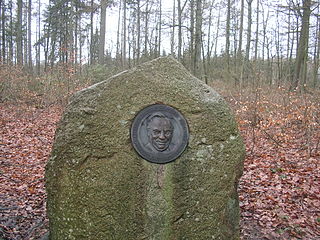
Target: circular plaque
x,y
159,133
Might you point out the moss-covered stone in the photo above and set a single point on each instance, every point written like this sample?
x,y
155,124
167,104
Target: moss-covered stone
x,y
99,188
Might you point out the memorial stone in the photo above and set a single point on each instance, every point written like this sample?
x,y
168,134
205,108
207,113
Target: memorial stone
x,y
150,153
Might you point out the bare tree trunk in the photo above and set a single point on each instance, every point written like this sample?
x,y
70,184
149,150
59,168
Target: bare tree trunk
x,y
257,32
198,37
278,50
302,51
160,28
118,33
191,44
25,35
179,30
76,32
124,35
209,44
138,31
217,35
10,52
288,33
3,32
29,36
91,53
173,27
38,49
19,33
265,25
102,31
239,55
249,29
316,54
228,34
146,28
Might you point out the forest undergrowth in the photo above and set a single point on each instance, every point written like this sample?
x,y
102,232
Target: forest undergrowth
x,y
279,191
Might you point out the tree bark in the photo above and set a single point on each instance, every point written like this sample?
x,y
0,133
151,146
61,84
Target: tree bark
x,y
160,28
228,34
145,51
173,28
191,44
19,33
91,50
138,31
198,37
179,30
316,54
3,32
239,55
102,31
257,33
302,51
124,35
29,36
249,29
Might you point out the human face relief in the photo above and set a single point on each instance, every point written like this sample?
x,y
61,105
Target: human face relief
x,y
160,133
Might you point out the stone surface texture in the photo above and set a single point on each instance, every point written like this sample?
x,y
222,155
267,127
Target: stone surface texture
x,y
100,188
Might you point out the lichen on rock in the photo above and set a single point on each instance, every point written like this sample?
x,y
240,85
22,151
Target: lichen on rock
x,y
100,188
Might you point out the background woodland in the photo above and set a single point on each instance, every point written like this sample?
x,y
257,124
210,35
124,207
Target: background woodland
x,y
262,56
56,43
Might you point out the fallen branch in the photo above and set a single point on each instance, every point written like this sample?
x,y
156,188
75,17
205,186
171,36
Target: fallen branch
x,y
269,136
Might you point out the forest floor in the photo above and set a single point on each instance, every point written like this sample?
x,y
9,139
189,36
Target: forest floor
x,y
279,190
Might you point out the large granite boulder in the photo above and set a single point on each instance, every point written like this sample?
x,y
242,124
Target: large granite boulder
x,y
99,187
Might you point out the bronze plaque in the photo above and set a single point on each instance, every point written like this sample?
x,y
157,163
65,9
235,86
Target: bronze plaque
x,y
159,133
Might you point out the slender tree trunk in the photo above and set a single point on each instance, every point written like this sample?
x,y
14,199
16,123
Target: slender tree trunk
x,y
38,49
3,32
198,37
239,55
228,34
138,31
257,32
191,44
278,50
29,36
128,56
179,30
173,28
265,25
288,32
209,44
102,31
145,51
19,33
118,32
10,52
302,51
25,35
249,29
217,35
316,54
91,53
124,35
77,29
160,28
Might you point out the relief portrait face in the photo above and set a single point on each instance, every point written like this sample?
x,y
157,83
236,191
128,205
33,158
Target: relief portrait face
x,y
160,132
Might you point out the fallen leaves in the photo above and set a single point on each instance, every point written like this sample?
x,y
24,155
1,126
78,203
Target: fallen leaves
x,y
26,138
279,191
280,187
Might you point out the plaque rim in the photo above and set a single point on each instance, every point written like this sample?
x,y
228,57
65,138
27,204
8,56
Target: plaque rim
x,y
160,157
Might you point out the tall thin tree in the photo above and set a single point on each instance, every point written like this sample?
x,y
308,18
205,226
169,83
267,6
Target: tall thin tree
x,y
102,38
19,33
302,51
